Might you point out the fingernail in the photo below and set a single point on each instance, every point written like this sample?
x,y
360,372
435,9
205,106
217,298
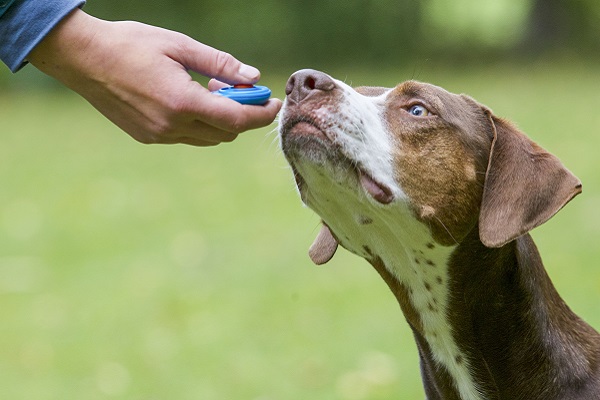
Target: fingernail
x,y
249,72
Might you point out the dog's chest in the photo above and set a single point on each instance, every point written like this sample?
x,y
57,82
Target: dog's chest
x,y
406,249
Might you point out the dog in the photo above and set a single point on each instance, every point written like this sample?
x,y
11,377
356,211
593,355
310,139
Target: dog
x,y
439,194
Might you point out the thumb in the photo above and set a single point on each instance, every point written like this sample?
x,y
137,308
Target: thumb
x,y
214,63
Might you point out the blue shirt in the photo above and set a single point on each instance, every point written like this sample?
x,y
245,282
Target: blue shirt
x,y
24,23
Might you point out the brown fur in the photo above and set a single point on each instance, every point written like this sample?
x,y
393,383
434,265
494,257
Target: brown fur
x,y
433,156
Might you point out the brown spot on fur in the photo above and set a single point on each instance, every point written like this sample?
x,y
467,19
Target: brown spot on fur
x,y
428,286
430,246
367,250
427,212
439,279
429,262
417,261
470,172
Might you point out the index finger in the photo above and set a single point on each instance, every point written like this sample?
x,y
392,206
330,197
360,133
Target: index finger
x,y
214,63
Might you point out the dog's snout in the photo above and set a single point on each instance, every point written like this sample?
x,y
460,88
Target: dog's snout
x,y
307,81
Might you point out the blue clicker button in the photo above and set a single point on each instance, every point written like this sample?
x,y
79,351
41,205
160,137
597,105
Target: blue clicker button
x,y
246,94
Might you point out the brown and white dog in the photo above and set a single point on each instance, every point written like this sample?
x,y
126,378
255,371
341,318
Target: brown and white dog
x,y
439,194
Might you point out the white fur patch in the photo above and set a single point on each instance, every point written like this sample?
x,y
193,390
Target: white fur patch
x,y
356,129
392,233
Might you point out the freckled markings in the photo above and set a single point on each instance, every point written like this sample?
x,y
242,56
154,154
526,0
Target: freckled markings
x,y
430,299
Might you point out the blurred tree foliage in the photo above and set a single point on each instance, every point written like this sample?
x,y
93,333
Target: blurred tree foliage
x,y
317,32
563,24
283,33
296,34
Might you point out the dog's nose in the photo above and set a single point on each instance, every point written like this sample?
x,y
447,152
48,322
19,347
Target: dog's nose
x,y
307,81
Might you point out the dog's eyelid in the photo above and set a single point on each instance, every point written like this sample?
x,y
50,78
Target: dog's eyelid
x,y
419,102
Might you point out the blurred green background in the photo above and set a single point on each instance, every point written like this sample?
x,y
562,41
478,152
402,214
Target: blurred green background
x,y
172,272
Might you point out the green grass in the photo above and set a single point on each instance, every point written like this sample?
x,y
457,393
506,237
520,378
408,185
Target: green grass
x,y
171,272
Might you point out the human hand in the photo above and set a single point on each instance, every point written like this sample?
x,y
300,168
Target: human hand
x,y
136,75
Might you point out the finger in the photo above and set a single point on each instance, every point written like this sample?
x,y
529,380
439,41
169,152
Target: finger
x,y
214,85
206,133
199,134
228,115
214,63
260,116
192,141
198,142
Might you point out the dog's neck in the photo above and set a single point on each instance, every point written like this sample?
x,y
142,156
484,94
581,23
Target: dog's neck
x,y
402,177
488,323
495,327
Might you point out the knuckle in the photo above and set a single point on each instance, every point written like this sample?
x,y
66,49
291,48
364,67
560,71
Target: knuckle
x,y
238,125
159,131
229,138
146,138
145,134
223,61
174,104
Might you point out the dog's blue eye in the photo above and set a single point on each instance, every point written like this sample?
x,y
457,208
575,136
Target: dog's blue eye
x,y
418,111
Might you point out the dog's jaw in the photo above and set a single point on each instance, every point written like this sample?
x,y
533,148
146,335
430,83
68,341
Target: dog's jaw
x,y
330,134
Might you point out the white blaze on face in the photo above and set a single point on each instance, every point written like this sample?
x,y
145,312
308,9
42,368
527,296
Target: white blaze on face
x,y
360,128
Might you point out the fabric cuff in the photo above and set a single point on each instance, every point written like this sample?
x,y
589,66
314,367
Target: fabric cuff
x,y
25,23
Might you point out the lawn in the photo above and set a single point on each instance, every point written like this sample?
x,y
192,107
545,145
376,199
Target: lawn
x,y
171,272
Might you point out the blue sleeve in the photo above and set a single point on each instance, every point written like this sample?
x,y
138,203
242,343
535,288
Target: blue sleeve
x,y
4,4
24,23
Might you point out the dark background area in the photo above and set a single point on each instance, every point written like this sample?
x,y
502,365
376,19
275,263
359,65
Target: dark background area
x,y
279,37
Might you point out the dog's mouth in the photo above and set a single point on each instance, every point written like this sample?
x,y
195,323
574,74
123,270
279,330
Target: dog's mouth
x,y
304,127
379,192
308,134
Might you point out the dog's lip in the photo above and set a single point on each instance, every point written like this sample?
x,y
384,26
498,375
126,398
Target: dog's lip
x,y
378,191
304,126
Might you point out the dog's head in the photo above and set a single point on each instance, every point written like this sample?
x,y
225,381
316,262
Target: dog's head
x,y
414,155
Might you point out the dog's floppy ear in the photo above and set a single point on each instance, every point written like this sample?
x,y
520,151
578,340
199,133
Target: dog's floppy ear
x,y
324,246
524,186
